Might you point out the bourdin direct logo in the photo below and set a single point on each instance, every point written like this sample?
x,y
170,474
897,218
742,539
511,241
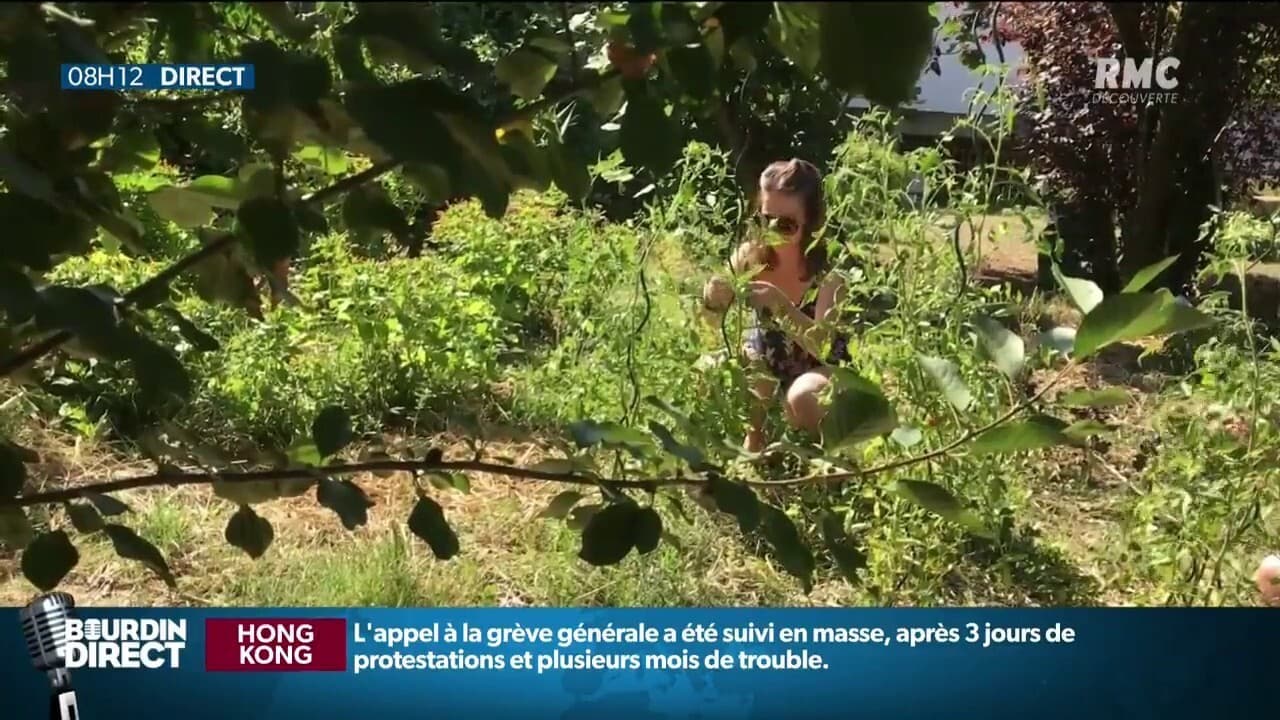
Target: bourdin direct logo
x,y
58,642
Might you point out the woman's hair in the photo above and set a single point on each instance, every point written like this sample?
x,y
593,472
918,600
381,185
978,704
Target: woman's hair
x,y
802,179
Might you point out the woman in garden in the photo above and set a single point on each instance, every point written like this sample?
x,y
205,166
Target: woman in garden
x,y
792,344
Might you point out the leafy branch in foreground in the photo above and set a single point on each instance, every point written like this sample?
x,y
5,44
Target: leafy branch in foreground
x,y
65,155
662,458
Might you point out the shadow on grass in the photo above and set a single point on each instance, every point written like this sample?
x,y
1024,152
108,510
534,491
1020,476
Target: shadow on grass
x,y
1027,568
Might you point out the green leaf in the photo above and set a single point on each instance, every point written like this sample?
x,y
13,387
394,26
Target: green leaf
x,y
331,430
193,204
691,455
331,161
199,339
181,208
649,138
404,134
346,499
410,34
60,233
606,98
284,21
13,472
939,501
303,452
1037,432
18,298
529,164
587,433
795,556
1084,293
130,546
675,414
428,522
284,81
90,315
858,412
450,481
1130,316
1080,431
796,32
644,26
159,372
1061,339
270,228
526,71
15,529
568,171
131,152
106,504
648,530
693,68
678,25
677,507
1105,397
223,278
310,219
736,499
875,50
561,504
369,209
946,376
610,534
742,19
294,487
250,532
84,518
580,515
843,550
1001,346
1143,277
48,559
907,436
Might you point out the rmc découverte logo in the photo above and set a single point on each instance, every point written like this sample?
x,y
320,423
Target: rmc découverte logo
x,y
1128,81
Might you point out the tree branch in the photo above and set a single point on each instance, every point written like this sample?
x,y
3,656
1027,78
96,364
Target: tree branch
x,y
650,484
161,280
917,459
203,478
34,352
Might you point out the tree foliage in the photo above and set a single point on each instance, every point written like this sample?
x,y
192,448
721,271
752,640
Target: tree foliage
x,y
353,92
1121,164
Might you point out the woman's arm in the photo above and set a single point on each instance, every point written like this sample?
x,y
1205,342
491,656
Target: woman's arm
x,y
813,334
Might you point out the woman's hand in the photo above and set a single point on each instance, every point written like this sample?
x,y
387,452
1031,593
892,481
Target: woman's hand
x,y
717,295
766,296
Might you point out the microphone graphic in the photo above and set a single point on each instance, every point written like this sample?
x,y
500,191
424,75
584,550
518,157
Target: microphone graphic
x,y
44,625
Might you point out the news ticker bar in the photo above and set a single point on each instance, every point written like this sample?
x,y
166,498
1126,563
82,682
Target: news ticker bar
x,y
125,78
624,663
322,644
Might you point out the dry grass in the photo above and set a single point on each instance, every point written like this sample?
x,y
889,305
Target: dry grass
x,y
509,556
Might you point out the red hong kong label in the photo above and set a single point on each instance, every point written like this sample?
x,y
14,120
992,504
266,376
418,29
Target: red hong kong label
x,y
262,645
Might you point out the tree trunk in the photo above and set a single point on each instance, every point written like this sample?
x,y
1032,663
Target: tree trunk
x,y
1088,233
1176,183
